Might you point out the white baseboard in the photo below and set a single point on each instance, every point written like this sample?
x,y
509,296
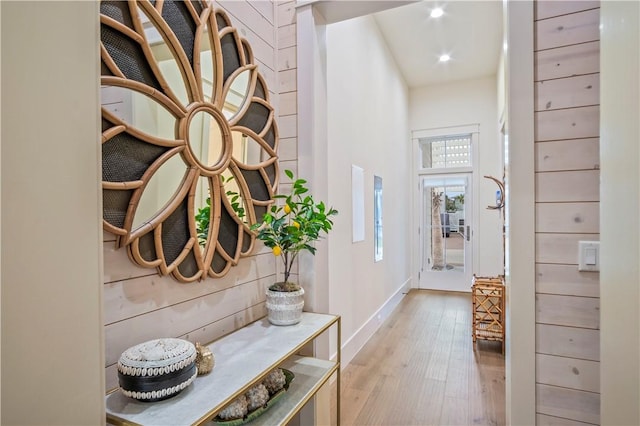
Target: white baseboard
x,y
355,343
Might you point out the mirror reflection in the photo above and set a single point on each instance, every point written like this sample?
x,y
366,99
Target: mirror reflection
x,y
139,111
234,195
245,149
175,157
206,139
237,95
160,190
206,66
202,209
165,59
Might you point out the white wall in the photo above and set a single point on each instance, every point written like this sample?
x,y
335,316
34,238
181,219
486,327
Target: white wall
x,y
367,126
619,191
52,345
520,377
462,103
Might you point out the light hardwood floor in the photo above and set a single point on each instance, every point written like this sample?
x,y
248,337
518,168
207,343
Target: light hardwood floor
x,y
420,368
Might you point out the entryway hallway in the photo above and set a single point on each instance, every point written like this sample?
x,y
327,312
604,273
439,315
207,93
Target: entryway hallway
x,y
420,368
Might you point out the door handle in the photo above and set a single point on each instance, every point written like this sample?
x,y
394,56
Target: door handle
x,y
467,233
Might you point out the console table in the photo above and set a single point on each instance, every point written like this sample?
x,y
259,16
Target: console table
x,y
242,359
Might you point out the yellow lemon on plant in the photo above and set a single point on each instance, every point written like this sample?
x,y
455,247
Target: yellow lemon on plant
x,y
296,224
287,209
276,251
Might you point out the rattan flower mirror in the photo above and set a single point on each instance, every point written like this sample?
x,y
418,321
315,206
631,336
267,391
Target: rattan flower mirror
x,y
189,138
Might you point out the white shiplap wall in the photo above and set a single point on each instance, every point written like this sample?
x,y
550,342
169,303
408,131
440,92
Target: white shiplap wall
x,y
140,305
567,211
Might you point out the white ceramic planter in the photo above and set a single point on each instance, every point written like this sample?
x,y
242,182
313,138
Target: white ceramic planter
x,y
285,308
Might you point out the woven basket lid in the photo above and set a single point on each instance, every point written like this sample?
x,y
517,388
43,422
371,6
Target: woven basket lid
x,y
157,357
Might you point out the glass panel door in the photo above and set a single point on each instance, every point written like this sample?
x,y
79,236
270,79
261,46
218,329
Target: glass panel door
x,y
445,232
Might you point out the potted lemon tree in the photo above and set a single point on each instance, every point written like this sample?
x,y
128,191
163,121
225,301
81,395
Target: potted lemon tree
x,y
288,229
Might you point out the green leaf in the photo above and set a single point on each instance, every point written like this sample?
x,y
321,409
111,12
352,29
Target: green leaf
x,y
289,173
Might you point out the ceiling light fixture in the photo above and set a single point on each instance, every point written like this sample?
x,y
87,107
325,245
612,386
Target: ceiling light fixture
x,y
437,12
444,58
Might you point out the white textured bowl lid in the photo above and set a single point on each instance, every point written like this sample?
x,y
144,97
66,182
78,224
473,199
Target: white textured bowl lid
x,y
157,353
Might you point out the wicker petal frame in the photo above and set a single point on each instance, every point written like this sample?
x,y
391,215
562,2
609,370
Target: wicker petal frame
x,y
168,241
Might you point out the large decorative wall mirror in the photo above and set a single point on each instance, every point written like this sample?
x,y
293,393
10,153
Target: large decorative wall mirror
x,y
189,138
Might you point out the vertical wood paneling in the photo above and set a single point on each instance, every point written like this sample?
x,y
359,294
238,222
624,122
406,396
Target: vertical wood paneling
x,y
544,420
287,36
573,123
572,342
288,149
129,298
568,217
140,305
568,92
269,76
568,372
568,310
252,20
566,30
288,126
183,318
288,81
573,186
551,8
568,61
287,165
288,103
567,280
560,248
568,403
286,13
117,265
567,127
265,8
287,58
573,154
288,94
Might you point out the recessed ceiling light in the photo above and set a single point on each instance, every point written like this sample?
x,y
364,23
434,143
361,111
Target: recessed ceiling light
x,y
444,58
437,12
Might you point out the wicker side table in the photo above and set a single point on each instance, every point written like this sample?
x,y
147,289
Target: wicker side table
x,y
488,319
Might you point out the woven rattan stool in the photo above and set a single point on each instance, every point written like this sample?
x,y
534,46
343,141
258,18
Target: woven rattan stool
x,y
487,298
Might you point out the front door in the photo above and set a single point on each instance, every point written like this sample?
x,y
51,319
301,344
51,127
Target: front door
x,y
445,232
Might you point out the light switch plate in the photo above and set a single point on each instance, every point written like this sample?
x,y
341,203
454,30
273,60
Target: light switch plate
x,y
589,256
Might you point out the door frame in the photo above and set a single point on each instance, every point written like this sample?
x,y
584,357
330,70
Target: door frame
x,y
418,172
450,283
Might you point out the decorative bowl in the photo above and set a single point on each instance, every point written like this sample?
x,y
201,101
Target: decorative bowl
x,y
157,369
252,415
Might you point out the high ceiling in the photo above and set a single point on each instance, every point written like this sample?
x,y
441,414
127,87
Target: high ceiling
x,y
469,31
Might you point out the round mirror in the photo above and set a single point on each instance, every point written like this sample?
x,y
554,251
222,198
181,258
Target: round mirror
x,y
206,140
170,97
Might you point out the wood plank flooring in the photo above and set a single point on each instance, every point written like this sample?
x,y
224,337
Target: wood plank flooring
x,y
420,368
